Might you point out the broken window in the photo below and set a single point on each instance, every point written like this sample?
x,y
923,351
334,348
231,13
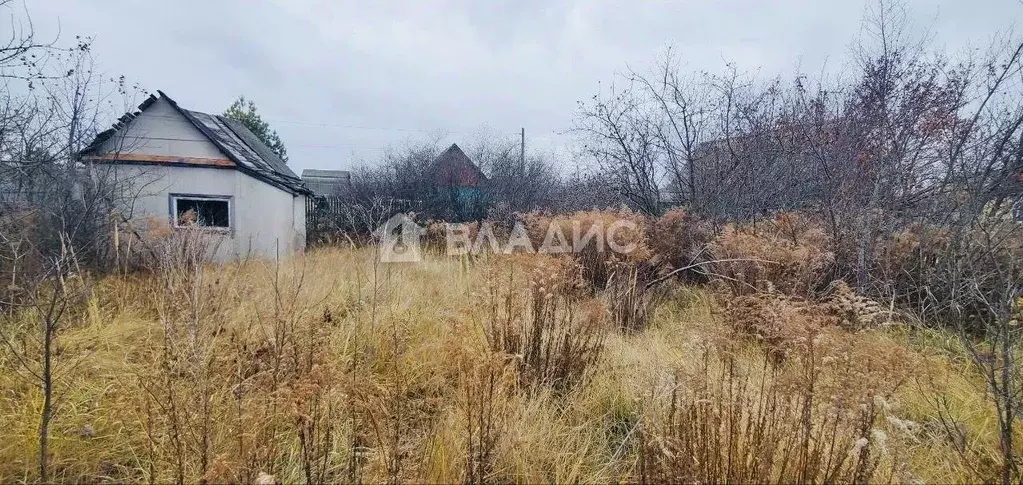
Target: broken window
x,y
213,212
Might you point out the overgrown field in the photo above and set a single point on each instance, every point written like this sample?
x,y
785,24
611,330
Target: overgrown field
x,y
498,368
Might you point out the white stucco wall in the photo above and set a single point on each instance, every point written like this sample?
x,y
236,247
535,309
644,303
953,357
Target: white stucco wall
x,y
265,221
299,220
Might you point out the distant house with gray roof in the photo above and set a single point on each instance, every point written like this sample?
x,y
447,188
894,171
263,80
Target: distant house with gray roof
x,y
327,183
200,170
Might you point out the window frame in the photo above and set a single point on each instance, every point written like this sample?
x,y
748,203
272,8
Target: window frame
x,y
173,198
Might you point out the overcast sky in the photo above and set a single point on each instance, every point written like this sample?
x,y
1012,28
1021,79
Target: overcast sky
x,y
342,80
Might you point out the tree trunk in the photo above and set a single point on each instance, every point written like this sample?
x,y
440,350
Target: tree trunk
x,y
44,426
1008,411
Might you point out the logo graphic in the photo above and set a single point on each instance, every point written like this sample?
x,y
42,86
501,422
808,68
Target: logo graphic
x,y
399,240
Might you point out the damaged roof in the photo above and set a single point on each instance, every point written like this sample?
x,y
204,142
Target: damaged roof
x,y
231,137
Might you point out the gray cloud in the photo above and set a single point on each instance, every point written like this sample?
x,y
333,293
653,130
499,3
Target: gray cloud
x,y
342,80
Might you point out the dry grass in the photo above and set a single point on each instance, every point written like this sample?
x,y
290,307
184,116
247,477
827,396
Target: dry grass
x,y
329,367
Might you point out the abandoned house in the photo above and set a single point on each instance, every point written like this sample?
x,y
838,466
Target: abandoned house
x,y
194,169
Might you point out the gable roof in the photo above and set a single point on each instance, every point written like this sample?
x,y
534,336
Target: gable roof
x,y
454,168
231,137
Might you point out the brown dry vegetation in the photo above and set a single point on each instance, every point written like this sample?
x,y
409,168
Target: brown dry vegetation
x,y
503,368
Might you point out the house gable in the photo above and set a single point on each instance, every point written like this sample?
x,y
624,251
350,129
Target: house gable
x,y
158,133
161,132
453,168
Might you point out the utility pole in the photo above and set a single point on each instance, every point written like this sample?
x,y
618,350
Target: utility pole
x,y
522,152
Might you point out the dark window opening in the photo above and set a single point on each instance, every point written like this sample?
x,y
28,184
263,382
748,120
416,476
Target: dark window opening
x,y
202,212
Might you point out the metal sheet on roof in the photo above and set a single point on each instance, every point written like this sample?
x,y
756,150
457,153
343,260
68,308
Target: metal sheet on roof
x,y
264,152
230,141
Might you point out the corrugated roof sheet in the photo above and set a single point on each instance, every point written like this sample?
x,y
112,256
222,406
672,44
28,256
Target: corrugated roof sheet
x,y
257,145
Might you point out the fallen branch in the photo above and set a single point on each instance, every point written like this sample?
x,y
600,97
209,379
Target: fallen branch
x,y
703,263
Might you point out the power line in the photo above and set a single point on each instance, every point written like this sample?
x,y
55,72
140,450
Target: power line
x,y
552,134
353,147
358,127
350,146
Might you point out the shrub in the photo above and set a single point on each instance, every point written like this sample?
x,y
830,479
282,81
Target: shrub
x,y
435,238
681,239
789,254
856,312
818,418
780,321
532,317
594,254
948,276
18,259
776,320
485,387
623,277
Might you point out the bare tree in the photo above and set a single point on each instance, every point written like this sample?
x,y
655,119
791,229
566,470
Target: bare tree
x,y
982,271
54,209
622,138
514,183
30,326
585,188
686,106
